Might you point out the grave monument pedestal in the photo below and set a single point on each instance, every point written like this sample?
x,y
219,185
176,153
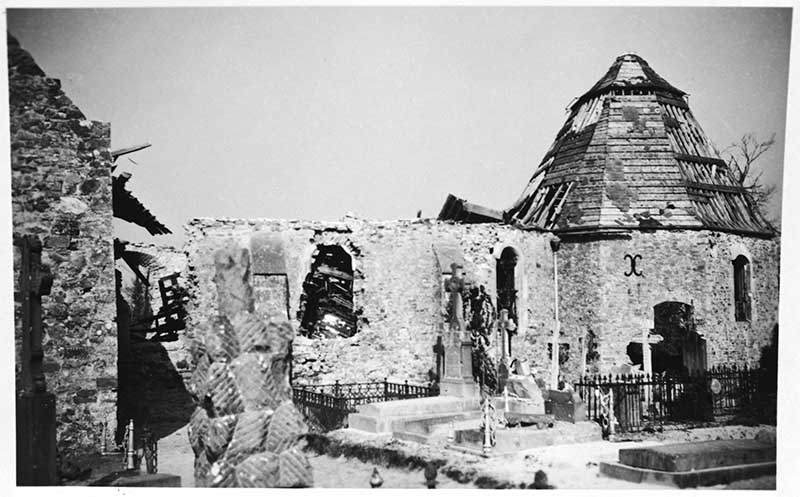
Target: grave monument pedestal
x,y
457,381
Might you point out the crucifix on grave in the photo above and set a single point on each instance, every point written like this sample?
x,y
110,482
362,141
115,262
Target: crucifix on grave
x,y
36,408
505,328
457,342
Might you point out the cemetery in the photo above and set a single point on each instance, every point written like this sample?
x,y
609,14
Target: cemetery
x,y
629,295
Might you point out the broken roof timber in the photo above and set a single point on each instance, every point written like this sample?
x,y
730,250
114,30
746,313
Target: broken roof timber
x,y
129,208
115,154
457,209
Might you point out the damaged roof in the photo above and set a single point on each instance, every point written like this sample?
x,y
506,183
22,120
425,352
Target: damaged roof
x,y
458,209
128,208
631,155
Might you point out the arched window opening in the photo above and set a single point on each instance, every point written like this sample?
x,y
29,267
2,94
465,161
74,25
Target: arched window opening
x,y
506,286
326,305
680,349
741,288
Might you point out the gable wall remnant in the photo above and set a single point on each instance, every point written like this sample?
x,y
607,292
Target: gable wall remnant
x,y
61,192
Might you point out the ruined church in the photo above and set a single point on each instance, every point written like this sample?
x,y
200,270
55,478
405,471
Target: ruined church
x,y
630,231
631,245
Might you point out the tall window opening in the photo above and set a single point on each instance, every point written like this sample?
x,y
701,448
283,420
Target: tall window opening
x,y
326,305
506,286
741,288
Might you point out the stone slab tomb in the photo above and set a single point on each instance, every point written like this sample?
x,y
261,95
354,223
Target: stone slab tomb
x,y
694,464
245,429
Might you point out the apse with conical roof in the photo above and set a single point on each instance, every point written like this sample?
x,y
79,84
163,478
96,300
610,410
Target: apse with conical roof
x,y
632,156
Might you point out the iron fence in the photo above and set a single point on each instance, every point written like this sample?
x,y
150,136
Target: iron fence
x,y
326,406
642,401
739,388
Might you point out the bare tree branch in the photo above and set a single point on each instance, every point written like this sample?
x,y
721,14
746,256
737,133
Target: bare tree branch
x,y
742,155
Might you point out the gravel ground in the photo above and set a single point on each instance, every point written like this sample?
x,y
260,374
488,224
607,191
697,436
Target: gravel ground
x,y
572,466
344,472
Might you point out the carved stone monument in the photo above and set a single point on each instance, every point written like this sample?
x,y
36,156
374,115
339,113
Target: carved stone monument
x,y
457,379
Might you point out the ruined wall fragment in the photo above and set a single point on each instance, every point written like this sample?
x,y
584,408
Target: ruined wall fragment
x,y
61,192
245,429
397,288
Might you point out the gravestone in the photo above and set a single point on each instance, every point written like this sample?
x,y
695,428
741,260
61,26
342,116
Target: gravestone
x,y
457,379
565,406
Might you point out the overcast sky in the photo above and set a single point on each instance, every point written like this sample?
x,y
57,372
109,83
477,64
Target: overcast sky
x,y
314,112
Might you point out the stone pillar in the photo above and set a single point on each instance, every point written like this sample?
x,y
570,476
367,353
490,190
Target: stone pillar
x,y
245,429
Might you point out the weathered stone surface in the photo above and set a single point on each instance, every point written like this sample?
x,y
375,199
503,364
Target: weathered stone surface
x,y
286,426
259,470
295,470
198,383
251,332
198,429
279,337
222,474
202,468
261,379
268,255
218,436
220,340
47,155
232,278
524,387
225,395
250,434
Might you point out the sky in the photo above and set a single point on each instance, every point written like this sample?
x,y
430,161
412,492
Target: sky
x,y
311,113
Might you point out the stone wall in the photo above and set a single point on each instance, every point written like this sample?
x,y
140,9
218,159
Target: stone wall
x,y
61,192
693,267
398,292
397,288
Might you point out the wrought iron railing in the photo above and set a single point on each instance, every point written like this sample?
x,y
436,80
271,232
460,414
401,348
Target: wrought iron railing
x,y
326,406
739,388
644,401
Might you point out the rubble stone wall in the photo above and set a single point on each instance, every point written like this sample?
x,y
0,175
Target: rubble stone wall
x,y
693,267
61,192
397,288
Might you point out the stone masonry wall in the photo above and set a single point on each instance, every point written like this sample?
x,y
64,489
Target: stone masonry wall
x,y
693,267
396,286
61,192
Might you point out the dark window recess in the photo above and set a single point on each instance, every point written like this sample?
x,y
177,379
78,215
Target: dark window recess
x,y
741,288
326,305
506,288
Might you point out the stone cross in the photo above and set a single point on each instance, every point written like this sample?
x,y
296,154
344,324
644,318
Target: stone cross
x,y
35,407
455,285
506,327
